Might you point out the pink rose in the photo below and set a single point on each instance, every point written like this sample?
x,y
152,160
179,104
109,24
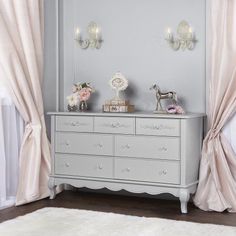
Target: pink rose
x,y
84,94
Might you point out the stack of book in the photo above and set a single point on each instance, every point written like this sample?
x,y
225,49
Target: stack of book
x,y
117,106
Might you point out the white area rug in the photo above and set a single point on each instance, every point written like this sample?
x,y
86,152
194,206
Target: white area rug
x,y
72,222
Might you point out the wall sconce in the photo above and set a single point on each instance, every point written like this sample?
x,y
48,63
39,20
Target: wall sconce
x,y
185,37
94,37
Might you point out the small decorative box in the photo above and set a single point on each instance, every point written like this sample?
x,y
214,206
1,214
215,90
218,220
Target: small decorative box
x,y
118,108
117,102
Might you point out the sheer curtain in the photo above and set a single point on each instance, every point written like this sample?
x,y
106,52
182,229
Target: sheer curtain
x,y
11,131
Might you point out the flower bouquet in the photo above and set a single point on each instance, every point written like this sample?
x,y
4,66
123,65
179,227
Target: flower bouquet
x,y
78,99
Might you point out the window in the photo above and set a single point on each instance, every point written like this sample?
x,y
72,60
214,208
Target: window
x,y
4,95
11,131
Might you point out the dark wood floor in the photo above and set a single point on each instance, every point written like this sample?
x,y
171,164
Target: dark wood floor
x,y
129,205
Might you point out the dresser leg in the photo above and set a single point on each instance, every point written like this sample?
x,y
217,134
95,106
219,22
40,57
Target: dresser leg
x,y
184,197
52,187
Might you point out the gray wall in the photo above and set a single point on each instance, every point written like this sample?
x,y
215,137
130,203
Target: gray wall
x,y
50,58
133,34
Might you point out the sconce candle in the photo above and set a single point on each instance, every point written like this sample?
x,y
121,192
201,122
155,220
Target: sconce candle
x,y
97,32
169,34
77,34
191,33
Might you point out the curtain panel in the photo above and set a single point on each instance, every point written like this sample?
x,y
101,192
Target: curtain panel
x,y
217,180
21,68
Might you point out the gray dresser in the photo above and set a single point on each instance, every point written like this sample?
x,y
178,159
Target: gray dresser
x,y
137,152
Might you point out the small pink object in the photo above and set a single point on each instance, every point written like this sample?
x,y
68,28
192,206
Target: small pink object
x,y
171,109
175,109
179,109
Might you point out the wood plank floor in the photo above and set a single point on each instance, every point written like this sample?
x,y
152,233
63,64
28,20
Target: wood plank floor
x,y
129,205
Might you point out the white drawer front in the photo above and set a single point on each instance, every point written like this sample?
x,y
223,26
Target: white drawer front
x,y
114,125
151,126
147,170
74,123
79,143
95,166
148,147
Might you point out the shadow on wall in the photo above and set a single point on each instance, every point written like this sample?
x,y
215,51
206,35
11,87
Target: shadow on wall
x,y
131,92
92,103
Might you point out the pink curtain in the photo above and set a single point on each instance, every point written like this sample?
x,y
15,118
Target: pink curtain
x,y
21,68
217,184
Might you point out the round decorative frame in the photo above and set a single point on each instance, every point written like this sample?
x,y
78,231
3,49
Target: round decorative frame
x,y
119,83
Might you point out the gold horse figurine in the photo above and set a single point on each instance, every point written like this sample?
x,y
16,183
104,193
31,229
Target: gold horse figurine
x,y
159,95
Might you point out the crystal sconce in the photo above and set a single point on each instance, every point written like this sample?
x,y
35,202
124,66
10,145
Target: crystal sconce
x,y
185,37
94,37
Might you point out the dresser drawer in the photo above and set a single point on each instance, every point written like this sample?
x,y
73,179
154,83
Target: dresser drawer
x,y
74,123
95,166
147,170
114,125
162,127
79,143
148,147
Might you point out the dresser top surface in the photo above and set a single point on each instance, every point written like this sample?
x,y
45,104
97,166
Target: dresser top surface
x,y
133,114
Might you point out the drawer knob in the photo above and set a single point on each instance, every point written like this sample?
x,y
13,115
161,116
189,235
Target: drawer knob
x,y
73,123
163,172
127,169
127,146
115,125
100,145
156,127
67,164
100,167
67,143
164,149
